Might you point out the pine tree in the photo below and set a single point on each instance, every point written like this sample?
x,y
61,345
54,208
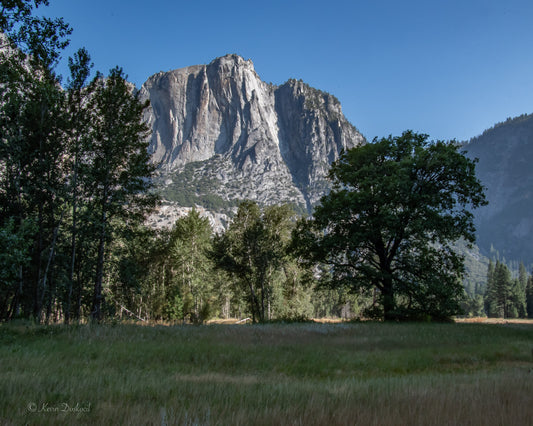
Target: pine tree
x,y
519,293
489,296
501,300
529,297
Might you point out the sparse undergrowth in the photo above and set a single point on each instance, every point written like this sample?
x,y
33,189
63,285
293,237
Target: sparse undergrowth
x,y
367,373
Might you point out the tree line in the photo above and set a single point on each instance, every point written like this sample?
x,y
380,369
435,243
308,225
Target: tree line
x,y
76,189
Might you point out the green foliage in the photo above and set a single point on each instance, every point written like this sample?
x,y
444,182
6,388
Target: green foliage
x,y
529,297
40,38
330,301
190,244
78,148
475,277
174,308
32,156
15,242
254,251
166,275
506,297
118,176
388,224
472,305
519,292
74,163
177,275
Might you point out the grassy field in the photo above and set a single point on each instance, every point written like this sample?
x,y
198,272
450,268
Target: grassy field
x,y
276,374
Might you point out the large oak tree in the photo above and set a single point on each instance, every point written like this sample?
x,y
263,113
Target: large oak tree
x,y
389,224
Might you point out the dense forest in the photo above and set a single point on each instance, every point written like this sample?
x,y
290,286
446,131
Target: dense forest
x,y
76,188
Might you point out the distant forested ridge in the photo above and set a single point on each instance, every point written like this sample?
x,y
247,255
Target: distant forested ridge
x,y
505,154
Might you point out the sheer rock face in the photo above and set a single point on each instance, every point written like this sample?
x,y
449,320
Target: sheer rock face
x,y
258,141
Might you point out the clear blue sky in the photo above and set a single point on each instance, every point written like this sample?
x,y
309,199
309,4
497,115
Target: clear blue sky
x,y
448,68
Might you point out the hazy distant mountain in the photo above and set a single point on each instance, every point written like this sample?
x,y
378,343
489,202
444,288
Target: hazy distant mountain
x,y
220,135
505,167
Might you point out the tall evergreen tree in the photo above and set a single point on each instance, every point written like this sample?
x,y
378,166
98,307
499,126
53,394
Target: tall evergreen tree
x,y
489,290
502,290
519,292
529,297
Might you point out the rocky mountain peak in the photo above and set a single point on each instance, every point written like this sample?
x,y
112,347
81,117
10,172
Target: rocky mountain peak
x,y
231,62
220,129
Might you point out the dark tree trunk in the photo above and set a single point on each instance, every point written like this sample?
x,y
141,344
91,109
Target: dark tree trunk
x,y
47,270
72,245
389,306
97,298
262,316
253,301
38,259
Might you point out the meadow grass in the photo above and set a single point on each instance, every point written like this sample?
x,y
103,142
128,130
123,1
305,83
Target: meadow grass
x,y
274,374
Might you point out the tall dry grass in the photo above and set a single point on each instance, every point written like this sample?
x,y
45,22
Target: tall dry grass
x,y
302,374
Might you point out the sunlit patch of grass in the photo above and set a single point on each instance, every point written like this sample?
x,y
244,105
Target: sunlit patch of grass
x,y
367,373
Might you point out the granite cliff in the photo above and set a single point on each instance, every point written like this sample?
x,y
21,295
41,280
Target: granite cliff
x,y
221,134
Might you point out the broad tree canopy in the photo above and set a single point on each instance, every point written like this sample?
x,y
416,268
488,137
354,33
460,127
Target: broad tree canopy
x,y
389,224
